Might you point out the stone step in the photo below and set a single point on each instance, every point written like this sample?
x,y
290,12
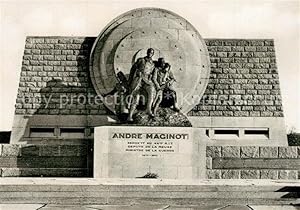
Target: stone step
x,y
124,191
153,194
146,188
169,201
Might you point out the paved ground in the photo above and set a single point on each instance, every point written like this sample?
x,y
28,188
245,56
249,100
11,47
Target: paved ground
x,y
139,207
124,181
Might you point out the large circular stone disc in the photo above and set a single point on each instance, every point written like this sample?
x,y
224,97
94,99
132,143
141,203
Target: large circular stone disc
x,y
128,37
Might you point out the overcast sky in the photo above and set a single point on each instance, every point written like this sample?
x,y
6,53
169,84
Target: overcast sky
x,y
276,19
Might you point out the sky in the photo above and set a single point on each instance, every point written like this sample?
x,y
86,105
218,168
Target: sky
x,y
249,19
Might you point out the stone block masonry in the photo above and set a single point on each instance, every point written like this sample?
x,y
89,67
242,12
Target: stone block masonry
x,y
55,79
45,160
243,81
252,162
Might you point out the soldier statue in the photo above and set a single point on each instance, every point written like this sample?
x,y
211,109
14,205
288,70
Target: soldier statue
x,y
163,79
140,80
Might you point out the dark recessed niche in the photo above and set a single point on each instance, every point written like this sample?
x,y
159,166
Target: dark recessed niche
x,y
226,132
41,132
72,130
257,132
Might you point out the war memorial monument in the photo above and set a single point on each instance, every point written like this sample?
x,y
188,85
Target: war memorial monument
x,y
149,100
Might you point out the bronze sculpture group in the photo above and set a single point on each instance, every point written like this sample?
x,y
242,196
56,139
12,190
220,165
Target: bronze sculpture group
x,y
149,78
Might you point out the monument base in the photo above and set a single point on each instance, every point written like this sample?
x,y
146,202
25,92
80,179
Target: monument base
x,y
133,152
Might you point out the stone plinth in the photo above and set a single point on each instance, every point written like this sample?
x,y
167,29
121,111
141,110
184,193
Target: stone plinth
x,y
132,152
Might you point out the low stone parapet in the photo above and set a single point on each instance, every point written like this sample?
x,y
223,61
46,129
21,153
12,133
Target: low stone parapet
x,y
252,162
45,160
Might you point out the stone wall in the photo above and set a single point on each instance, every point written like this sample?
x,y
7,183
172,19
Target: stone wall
x,y
243,81
54,69
45,160
252,162
222,162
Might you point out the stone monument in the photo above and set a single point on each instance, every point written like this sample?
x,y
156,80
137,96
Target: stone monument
x,y
149,47
149,98
148,73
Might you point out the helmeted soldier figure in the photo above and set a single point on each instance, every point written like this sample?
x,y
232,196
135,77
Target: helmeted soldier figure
x,y
140,79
